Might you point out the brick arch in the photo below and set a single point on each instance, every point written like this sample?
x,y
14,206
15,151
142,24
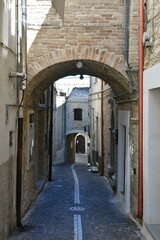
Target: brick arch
x,y
46,69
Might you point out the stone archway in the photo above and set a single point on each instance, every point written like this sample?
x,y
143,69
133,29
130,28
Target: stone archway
x,y
45,70
40,77
103,59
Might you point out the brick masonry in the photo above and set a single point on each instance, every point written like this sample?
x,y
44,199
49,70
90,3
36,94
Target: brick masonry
x,y
152,25
92,31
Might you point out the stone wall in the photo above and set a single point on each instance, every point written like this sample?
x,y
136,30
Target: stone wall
x,y
85,24
152,26
60,134
8,197
107,124
80,101
60,121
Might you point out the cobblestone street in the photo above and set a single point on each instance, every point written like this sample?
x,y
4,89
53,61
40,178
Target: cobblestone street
x,y
78,204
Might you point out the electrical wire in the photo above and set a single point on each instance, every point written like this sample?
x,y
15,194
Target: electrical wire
x,y
4,46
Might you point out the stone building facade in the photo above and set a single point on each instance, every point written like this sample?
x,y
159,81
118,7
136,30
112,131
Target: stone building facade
x,y
95,121
17,192
103,129
60,127
13,70
77,121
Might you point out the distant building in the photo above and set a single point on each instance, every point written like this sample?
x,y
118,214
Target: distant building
x,y
72,125
60,127
77,121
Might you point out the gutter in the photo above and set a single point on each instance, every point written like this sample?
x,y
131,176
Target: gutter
x,y
126,45
21,59
102,131
140,110
50,136
128,69
65,120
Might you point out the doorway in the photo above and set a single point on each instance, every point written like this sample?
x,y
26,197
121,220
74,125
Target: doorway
x,y
151,151
80,144
153,157
123,188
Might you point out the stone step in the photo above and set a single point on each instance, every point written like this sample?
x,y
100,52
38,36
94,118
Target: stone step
x,y
94,169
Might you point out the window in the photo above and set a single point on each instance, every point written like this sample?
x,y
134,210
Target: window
x,y
31,136
78,114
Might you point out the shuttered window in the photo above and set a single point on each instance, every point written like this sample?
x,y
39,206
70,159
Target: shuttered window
x,y
78,114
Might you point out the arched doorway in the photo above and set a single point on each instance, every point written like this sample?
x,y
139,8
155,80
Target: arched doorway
x,y
80,144
73,147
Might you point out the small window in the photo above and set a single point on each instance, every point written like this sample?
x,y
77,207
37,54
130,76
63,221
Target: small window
x,y
31,136
10,138
78,114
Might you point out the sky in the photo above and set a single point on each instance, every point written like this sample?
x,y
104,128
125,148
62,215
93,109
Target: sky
x,y
68,83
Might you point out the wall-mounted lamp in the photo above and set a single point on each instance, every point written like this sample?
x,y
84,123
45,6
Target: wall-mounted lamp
x,y
22,76
110,101
79,64
81,77
16,74
146,39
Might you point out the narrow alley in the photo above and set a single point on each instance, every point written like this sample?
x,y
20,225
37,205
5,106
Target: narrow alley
x,y
78,204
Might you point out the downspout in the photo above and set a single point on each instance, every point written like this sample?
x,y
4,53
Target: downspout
x,y
51,136
24,36
19,172
65,147
140,110
126,45
21,65
20,127
128,69
102,131
112,144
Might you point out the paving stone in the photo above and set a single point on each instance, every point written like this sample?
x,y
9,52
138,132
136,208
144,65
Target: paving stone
x,y
52,215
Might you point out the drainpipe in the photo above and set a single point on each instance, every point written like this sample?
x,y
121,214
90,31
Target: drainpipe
x,y
20,128
126,45
24,36
65,143
102,131
128,69
112,144
21,59
140,110
19,172
51,137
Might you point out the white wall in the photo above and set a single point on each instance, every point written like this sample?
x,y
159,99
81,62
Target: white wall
x,y
95,113
123,176
8,89
151,146
8,116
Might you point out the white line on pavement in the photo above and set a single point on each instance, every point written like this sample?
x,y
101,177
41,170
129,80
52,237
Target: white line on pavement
x,y
77,227
76,186
77,217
